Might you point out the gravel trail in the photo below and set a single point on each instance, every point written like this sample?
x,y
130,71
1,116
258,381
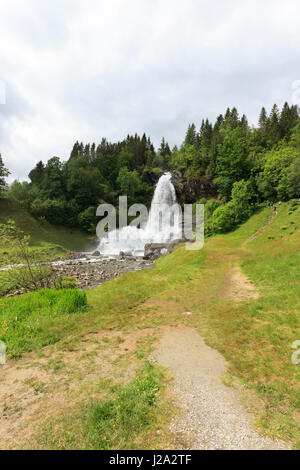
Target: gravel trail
x,y
212,415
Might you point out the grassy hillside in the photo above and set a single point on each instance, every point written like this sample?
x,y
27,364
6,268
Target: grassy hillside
x,y
255,335
51,241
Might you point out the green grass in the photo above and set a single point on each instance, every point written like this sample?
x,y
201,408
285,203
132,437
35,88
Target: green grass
x,y
34,320
47,240
255,336
274,265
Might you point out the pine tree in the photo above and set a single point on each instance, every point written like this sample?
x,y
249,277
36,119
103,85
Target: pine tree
x,y
234,117
164,148
263,120
190,137
206,133
3,174
288,119
75,151
36,174
273,125
284,122
219,122
227,114
244,122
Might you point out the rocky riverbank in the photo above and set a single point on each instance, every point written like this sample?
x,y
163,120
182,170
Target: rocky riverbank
x,y
90,271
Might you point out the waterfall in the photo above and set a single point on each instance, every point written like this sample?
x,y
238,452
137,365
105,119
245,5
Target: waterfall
x,y
163,224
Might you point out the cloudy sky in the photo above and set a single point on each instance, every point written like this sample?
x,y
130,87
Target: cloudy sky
x,y
80,70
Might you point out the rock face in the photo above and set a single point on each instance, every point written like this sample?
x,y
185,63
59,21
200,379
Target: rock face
x,y
189,191
155,250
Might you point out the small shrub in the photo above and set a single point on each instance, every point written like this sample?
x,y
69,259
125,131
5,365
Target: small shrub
x,y
65,282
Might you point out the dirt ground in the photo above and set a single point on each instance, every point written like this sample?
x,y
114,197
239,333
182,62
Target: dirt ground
x,y
35,387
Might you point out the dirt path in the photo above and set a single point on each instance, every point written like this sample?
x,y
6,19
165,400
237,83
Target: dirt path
x,y
236,286
212,415
261,230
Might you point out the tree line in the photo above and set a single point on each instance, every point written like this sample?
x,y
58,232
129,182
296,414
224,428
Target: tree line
x,y
247,164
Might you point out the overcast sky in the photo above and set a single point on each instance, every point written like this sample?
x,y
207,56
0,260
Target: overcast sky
x,y
81,70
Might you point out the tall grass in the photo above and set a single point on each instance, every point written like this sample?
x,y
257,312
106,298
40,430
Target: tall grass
x,y
31,321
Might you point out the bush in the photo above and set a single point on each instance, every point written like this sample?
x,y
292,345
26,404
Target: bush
x,y
87,219
238,210
223,218
65,282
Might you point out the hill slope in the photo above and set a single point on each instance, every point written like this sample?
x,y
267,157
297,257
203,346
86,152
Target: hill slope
x,y
51,240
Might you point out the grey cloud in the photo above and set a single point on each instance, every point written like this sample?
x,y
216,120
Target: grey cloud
x,y
109,69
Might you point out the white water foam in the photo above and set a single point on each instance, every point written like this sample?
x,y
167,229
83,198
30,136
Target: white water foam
x,y
163,225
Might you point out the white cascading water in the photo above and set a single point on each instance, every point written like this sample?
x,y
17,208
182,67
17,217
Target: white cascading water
x,y
163,224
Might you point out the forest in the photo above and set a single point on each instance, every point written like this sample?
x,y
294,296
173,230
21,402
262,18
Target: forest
x,y
248,165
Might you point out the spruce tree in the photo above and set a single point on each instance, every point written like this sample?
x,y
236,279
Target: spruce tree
x,y
288,119
273,125
75,151
263,120
36,174
244,122
234,117
3,174
190,137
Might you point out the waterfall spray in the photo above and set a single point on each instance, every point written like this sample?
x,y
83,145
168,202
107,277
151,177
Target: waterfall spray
x,y
163,224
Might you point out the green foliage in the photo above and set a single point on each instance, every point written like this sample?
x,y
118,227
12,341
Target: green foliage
x,y
30,273
224,152
232,162
46,240
87,219
126,159
65,282
20,192
240,197
289,186
31,321
238,210
186,160
84,184
223,218
57,211
129,182
275,163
